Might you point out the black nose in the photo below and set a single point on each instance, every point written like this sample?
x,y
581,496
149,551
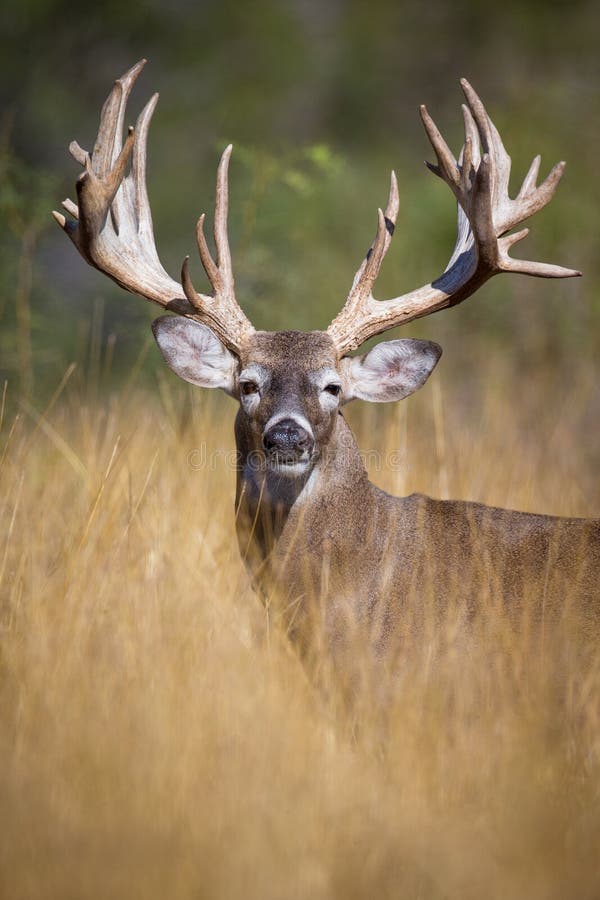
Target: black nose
x,y
287,438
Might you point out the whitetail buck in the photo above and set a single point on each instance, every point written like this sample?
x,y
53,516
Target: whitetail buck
x,y
310,524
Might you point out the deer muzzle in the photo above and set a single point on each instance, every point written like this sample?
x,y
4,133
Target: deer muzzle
x,y
286,442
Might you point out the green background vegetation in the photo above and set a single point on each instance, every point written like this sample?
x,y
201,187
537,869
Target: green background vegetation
x,y
320,101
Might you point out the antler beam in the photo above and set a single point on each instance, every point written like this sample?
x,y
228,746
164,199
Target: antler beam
x,y
479,181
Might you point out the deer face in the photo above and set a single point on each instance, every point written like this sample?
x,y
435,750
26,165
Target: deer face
x,y
291,384
289,388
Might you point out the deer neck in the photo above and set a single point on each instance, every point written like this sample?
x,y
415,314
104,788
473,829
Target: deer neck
x,y
269,505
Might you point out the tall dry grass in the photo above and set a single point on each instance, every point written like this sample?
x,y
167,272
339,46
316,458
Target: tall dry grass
x,y
159,737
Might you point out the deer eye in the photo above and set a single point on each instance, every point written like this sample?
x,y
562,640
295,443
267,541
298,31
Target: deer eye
x,y
248,387
333,389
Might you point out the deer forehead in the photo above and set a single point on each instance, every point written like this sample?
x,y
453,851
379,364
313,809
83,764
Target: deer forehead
x,y
290,351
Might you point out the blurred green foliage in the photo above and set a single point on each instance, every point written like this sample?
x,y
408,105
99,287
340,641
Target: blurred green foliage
x,y
320,100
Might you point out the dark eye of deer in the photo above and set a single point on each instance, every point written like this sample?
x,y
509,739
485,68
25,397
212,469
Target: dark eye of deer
x,y
333,389
249,387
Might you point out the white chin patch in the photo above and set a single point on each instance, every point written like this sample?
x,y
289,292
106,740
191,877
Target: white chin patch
x,y
291,469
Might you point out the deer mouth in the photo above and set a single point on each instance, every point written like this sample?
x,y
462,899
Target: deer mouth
x,y
288,463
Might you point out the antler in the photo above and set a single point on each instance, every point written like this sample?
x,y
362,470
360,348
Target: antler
x,y
113,223
485,214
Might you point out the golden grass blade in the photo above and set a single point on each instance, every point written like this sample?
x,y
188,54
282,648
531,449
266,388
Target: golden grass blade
x,y
59,442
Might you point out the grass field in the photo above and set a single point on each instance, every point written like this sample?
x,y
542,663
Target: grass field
x,y
160,739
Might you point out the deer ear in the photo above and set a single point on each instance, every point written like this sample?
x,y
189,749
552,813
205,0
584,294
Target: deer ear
x,y
390,371
195,353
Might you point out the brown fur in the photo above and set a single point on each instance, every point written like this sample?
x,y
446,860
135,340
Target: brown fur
x,y
340,555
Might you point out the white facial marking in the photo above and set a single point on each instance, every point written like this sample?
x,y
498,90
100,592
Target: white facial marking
x,y
296,417
322,380
310,486
252,374
291,470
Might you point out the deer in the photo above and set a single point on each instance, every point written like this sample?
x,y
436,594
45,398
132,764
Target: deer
x,y
309,522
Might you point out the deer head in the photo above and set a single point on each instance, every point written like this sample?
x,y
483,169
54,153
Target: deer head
x,y
290,385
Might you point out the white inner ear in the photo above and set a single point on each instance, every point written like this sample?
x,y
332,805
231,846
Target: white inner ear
x,y
390,371
195,353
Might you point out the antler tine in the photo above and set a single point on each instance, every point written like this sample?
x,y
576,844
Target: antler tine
x,y
95,194
375,254
113,222
479,113
219,273
107,145
470,154
210,267
390,217
221,214
471,133
530,180
530,198
138,171
447,167
479,180
222,311
366,275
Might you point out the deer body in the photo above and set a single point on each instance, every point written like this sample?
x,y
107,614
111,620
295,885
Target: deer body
x,y
342,556
365,571
332,551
